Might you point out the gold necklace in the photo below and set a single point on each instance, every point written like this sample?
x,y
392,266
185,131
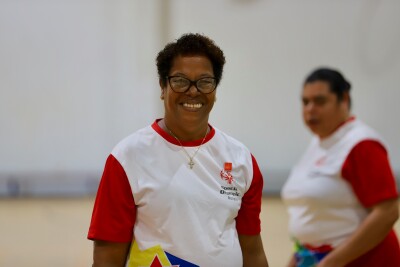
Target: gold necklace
x,y
191,162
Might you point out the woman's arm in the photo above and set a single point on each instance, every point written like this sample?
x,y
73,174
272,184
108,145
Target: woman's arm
x,y
371,232
110,254
253,251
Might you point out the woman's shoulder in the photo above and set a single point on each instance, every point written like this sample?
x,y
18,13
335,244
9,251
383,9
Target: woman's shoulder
x,y
229,140
134,140
360,131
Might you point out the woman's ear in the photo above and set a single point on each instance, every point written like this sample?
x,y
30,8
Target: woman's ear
x,y
160,82
346,99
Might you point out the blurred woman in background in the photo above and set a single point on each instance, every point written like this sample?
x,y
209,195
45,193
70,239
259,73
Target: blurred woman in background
x,y
341,196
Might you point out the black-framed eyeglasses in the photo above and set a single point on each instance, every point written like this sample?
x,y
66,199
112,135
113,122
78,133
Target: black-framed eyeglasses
x,y
181,84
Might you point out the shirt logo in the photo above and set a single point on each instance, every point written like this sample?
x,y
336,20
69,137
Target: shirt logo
x,y
226,173
320,161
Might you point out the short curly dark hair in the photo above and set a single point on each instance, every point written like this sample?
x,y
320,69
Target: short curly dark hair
x,y
190,44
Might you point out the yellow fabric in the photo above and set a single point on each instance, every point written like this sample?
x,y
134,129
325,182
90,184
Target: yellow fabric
x,y
145,257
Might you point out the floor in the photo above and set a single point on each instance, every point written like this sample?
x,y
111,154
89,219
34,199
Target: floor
x,y
52,232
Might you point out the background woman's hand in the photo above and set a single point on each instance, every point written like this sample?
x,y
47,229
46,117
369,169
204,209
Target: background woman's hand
x,y
292,262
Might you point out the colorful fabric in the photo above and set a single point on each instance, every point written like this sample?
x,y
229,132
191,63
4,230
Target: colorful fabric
x,y
194,214
309,256
155,257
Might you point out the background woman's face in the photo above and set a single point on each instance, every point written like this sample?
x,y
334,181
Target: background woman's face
x,y
322,110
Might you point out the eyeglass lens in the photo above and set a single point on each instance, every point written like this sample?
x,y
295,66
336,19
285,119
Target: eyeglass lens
x,y
181,84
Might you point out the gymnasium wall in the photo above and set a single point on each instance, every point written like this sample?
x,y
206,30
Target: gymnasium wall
x,y
78,76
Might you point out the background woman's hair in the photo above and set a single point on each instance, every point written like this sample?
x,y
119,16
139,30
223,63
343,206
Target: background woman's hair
x,y
337,83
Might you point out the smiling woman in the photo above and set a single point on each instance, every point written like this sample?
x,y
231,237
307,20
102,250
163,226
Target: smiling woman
x,y
180,192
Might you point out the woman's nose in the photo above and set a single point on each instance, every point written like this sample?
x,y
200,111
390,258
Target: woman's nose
x,y
193,90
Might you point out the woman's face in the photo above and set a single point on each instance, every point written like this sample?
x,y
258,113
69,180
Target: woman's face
x,y
322,110
191,107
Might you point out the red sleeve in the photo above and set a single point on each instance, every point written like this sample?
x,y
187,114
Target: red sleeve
x,y
248,220
368,170
114,211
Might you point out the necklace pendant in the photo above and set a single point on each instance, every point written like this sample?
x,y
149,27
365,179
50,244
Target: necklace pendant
x,y
191,164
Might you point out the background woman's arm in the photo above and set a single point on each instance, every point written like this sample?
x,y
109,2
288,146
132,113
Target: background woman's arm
x,y
371,232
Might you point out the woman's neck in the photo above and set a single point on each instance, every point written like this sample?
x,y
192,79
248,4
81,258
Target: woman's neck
x,y
185,133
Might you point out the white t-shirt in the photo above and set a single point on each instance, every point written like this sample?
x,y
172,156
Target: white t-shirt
x,y
186,217
322,206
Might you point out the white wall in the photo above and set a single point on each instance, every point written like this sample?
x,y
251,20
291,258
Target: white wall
x,y
71,72
77,76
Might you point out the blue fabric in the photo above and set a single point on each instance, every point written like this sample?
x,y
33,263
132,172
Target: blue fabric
x,y
306,257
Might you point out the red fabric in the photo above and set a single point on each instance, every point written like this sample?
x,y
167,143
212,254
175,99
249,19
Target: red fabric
x,y
114,211
248,220
320,249
368,170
